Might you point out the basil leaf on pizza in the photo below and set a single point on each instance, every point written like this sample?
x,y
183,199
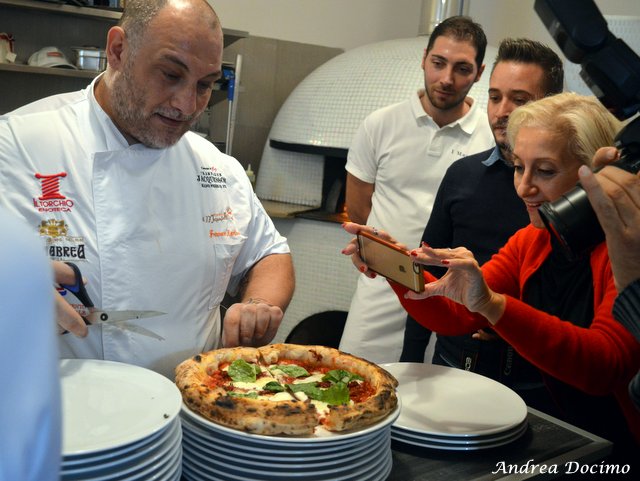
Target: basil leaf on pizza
x,y
286,389
274,386
241,371
292,370
336,394
340,375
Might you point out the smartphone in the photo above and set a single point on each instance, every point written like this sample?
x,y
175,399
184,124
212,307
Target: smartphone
x,y
390,261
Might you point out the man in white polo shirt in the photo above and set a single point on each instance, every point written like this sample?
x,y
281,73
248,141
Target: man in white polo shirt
x,y
396,162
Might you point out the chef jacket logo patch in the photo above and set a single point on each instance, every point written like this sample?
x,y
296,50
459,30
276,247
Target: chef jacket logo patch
x,y
60,245
218,217
51,199
209,177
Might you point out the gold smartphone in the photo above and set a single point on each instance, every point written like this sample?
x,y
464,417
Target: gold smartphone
x,y
390,261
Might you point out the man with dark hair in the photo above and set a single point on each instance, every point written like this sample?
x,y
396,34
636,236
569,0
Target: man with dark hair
x,y
395,163
154,215
477,206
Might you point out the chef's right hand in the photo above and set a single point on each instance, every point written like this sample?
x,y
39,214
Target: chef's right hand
x,y
67,317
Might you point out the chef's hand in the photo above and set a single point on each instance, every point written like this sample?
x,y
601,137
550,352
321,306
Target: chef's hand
x,y
251,323
67,317
615,197
352,247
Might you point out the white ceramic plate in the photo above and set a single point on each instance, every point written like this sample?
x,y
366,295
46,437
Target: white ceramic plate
x,y
320,436
345,460
240,451
108,404
116,454
246,446
136,457
430,443
205,469
458,440
443,401
156,467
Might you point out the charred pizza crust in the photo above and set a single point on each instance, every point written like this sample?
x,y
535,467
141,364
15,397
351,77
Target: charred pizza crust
x,y
290,417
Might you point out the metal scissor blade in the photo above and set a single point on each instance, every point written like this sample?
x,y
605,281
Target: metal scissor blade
x,y
119,316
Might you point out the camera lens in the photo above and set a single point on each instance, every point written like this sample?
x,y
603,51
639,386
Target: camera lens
x,y
571,220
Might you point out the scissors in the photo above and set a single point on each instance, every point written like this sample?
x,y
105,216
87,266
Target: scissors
x,y
117,318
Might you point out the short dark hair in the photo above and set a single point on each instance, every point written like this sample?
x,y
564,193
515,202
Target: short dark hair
x,y
461,28
523,50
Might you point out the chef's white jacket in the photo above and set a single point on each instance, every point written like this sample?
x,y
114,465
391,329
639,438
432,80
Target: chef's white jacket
x,y
169,230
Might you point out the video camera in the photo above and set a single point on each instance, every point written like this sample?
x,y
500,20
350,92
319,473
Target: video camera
x,y
612,71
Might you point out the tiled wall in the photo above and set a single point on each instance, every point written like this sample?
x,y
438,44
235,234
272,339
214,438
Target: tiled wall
x,y
325,279
271,69
328,106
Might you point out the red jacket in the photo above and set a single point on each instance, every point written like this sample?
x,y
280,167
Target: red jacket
x,y
598,360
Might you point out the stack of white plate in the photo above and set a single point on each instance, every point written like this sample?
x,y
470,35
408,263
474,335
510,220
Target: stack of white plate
x,y
215,452
455,410
119,422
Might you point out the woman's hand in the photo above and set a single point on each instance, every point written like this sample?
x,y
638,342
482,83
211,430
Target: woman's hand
x,y
352,247
462,283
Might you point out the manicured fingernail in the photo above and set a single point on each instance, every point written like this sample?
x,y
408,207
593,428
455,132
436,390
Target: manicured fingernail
x,y
444,261
373,275
362,268
343,251
424,244
413,253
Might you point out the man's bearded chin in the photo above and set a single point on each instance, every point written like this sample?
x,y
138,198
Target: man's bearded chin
x,y
128,104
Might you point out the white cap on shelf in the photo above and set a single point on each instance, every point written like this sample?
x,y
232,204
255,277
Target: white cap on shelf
x,y
50,57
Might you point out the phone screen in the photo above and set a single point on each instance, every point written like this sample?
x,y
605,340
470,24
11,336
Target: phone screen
x,y
390,261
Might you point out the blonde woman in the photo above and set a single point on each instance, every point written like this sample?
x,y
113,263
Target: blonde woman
x,y
557,314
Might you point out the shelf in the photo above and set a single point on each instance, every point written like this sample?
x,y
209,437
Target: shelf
x,y
60,72
64,9
230,35
63,72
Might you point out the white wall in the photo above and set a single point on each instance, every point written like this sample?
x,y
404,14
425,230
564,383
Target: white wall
x,y
350,23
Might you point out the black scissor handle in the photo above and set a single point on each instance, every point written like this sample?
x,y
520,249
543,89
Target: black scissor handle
x,y
78,287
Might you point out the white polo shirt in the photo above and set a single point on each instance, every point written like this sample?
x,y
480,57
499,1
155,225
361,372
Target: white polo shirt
x,y
401,150
168,229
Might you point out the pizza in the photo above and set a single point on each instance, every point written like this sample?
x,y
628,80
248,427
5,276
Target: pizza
x,y
286,389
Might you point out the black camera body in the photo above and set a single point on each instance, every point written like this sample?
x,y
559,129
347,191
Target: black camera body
x,y
612,71
571,219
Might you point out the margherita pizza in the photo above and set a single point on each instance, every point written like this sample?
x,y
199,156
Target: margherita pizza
x,y
286,389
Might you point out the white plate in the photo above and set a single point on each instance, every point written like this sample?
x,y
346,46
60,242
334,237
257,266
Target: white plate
x,y
260,454
429,443
108,404
135,457
344,460
104,456
205,469
156,463
444,401
320,436
247,446
462,440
